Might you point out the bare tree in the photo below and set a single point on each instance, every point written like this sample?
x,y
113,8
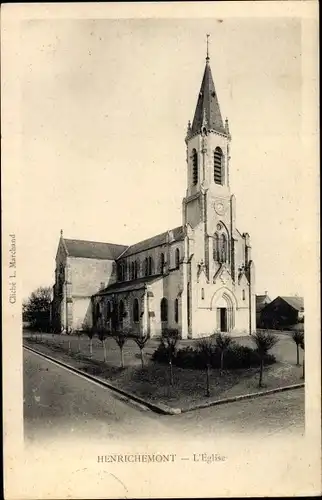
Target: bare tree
x,y
264,341
223,342
120,338
206,349
102,334
298,338
118,333
90,332
141,342
79,333
170,338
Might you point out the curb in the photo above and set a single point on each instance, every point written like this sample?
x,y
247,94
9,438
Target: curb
x,y
251,395
157,408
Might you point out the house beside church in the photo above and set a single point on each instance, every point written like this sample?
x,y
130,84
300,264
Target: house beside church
x,y
283,313
261,302
198,277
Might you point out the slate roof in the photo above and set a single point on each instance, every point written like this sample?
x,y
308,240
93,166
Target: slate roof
x,y
93,249
208,104
177,234
260,302
127,286
295,302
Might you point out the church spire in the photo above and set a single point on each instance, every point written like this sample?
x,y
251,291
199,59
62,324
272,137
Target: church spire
x,y
207,104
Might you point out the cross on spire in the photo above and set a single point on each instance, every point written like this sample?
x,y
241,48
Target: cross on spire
x,y
207,58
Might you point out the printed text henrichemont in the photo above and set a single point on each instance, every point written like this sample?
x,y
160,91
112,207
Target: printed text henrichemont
x,y
145,458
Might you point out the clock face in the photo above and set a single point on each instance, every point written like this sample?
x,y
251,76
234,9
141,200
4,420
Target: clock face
x,y
219,208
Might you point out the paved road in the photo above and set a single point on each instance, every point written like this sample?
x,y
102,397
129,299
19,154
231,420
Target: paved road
x,y
60,403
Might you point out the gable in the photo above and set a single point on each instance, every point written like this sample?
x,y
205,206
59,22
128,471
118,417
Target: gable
x,y
222,275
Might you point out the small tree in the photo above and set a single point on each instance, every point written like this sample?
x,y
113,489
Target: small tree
x,y
90,332
297,337
264,341
79,333
141,342
115,318
206,349
223,342
102,334
120,338
302,345
170,338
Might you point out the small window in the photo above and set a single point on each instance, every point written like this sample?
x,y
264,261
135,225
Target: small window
x,y
164,309
218,166
162,263
202,294
136,269
176,310
194,167
244,295
121,311
146,266
150,266
177,256
97,312
136,311
132,271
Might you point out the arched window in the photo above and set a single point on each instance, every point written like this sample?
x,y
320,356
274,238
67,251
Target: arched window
x,y
223,248
150,266
194,167
136,269
119,271
162,263
97,312
218,166
177,256
146,266
132,271
108,314
164,309
136,315
176,310
121,311
216,247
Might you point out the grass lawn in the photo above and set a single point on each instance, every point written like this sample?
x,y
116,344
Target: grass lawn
x,y
152,381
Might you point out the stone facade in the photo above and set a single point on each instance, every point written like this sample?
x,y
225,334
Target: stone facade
x,y
198,278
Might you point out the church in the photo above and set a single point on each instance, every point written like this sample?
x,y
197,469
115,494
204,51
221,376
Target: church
x,y
197,278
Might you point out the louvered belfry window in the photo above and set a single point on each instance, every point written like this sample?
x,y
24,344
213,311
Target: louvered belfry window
x,y
194,167
218,166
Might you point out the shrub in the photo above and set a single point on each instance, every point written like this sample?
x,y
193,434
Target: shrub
x,y
189,358
236,357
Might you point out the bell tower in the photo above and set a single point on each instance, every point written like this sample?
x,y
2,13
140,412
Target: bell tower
x,y
208,206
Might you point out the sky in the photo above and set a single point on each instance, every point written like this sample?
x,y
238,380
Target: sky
x,y
104,111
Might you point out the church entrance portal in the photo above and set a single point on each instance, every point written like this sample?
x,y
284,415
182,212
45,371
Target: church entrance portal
x,y
223,319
